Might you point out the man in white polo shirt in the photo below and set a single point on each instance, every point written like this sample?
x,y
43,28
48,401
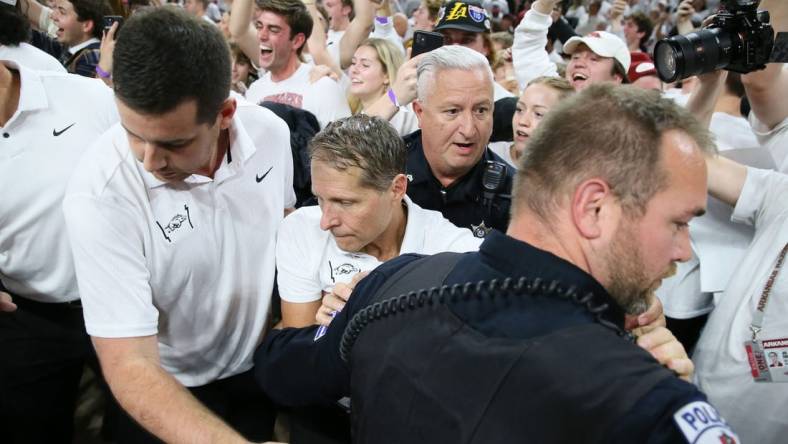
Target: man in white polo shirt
x,y
47,119
364,218
172,217
283,26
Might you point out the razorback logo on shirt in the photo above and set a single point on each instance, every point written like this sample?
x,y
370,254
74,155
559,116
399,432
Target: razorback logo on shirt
x,y
342,270
174,228
700,423
288,98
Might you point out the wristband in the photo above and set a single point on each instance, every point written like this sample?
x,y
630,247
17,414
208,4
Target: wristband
x,y
393,97
382,20
103,74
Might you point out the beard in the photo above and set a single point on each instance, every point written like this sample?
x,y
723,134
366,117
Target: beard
x,y
629,285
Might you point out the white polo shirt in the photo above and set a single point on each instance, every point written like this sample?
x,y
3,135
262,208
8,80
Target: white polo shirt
x,y
31,57
309,261
59,115
192,262
757,411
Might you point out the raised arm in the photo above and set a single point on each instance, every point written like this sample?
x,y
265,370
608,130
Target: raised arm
x,y
32,10
317,41
242,29
357,31
768,89
725,178
529,57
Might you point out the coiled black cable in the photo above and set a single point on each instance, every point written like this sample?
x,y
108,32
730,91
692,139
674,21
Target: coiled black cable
x,y
491,290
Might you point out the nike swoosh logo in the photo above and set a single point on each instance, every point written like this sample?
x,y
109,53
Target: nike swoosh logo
x,y
57,133
260,178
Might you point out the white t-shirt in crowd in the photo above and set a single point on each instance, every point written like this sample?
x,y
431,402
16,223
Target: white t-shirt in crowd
x,y
405,121
309,261
58,116
191,262
31,57
755,410
324,98
732,132
775,140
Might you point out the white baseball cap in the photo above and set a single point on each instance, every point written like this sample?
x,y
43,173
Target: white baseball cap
x,y
9,2
604,44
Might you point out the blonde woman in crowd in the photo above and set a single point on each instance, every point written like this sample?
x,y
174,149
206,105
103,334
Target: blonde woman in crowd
x,y
372,71
541,94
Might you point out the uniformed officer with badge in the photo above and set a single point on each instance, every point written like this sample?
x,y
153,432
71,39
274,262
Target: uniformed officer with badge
x,y
450,168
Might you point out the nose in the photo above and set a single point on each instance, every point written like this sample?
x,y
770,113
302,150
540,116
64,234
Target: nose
x,y
683,247
262,34
467,126
525,120
153,158
328,219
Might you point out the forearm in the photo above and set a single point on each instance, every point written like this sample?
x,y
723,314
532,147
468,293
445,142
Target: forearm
x,y
357,31
529,57
158,401
317,41
383,108
725,178
32,10
242,31
299,314
703,99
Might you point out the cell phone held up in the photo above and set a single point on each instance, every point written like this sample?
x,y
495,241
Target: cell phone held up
x,y
424,41
110,19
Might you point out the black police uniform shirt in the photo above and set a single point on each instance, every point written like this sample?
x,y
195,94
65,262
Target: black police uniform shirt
x,y
298,367
463,202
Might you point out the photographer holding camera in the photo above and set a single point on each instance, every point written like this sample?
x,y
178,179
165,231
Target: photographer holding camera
x,y
739,38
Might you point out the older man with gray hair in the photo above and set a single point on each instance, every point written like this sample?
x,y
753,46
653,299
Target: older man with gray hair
x,y
450,167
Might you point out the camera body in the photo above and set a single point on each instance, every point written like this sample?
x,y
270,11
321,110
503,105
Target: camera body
x,y
753,34
739,39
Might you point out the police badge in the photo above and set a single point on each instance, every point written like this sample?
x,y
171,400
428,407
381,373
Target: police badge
x,y
480,230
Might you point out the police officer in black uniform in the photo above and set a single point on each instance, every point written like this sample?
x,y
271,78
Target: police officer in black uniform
x,y
449,167
547,361
479,200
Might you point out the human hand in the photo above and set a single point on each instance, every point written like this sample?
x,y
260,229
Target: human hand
x,y
684,12
334,301
653,317
6,305
557,12
666,349
107,48
319,71
404,86
618,9
545,6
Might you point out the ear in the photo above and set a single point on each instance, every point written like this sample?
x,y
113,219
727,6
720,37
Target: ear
x,y
595,209
298,41
418,109
226,113
399,186
87,27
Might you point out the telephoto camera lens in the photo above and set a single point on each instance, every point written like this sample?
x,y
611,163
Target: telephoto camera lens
x,y
696,53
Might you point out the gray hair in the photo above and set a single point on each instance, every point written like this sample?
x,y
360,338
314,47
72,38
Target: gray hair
x,y
448,57
368,143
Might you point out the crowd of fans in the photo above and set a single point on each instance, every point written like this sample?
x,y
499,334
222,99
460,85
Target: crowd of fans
x,y
200,198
